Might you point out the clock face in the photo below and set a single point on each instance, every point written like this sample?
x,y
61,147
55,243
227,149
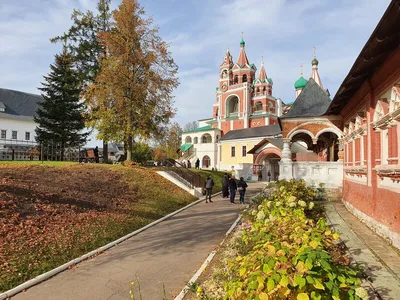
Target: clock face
x,y
224,87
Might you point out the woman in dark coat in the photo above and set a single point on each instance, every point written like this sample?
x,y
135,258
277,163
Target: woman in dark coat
x,y
225,186
232,189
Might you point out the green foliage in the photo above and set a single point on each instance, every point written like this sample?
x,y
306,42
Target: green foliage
x,y
59,116
141,152
284,254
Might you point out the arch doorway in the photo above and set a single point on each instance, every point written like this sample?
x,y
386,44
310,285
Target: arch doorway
x,y
206,162
271,164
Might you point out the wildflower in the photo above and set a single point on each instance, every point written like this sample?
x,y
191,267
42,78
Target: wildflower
x,y
254,212
260,215
292,204
302,203
311,205
278,203
199,290
260,207
292,199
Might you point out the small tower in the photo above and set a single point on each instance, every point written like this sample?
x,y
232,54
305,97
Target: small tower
x,y
225,74
314,73
300,83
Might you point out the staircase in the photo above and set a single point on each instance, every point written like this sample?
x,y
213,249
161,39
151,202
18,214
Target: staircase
x,y
177,173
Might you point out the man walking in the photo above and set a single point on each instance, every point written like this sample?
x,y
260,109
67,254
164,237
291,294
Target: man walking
x,y
209,187
242,185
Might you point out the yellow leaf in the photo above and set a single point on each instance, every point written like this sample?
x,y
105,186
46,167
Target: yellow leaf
x,y
271,250
314,244
284,281
239,258
263,296
301,267
336,236
318,285
302,296
328,232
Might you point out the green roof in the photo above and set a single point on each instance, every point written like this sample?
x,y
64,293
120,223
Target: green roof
x,y
270,80
242,43
185,147
300,83
204,128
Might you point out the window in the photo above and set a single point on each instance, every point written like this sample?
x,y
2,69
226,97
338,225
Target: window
x,y
188,140
14,135
244,152
258,107
27,136
3,134
232,106
244,78
236,80
206,139
233,150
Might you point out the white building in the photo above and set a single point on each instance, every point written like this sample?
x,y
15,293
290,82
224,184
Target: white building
x,y
17,128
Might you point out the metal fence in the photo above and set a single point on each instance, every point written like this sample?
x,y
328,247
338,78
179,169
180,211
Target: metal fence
x,y
29,150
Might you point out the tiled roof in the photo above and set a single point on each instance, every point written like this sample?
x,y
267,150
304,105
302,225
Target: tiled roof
x,y
19,103
312,101
262,131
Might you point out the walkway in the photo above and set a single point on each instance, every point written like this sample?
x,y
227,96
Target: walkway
x,y
169,252
380,261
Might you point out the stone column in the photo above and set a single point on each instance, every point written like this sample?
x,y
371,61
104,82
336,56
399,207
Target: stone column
x,y
286,163
341,150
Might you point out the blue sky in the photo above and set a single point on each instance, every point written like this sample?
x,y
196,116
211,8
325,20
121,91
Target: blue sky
x,y
200,31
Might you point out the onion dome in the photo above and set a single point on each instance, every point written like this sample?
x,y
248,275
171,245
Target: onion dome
x,y
300,83
314,62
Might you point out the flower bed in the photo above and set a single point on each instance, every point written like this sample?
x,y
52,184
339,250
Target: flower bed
x,y
284,250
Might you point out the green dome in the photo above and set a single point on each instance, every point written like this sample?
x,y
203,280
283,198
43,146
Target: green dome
x,y
300,83
242,43
314,62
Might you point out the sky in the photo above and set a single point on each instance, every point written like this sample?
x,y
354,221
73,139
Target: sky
x,y
283,32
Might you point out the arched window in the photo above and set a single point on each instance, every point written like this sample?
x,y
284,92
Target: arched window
x,y
264,90
258,107
216,113
195,140
224,74
378,114
236,79
244,78
188,140
217,139
206,138
232,106
206,162
257,91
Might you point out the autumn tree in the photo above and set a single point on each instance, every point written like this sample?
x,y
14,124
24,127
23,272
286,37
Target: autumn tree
x,y
172,140
82,42
59,116
191,126
133,89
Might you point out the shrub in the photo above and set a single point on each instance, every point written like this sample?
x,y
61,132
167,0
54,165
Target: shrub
x,y
284,254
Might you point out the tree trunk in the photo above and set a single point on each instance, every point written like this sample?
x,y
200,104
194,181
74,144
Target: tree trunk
x,y
62,152
129,148
105,151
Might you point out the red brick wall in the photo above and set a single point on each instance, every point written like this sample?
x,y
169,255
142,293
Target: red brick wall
x,y
365,137
393,145
357,151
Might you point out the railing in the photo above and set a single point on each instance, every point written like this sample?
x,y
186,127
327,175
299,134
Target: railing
x,y
187,177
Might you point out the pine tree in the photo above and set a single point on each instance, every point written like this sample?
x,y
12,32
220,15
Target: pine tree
x,y
60,115
83,44
134,88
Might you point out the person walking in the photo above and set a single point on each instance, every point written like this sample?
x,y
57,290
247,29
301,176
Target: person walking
x,y
232,189
209,187
96,154
269,176
259,175
225,186
189,164
242,185
197,164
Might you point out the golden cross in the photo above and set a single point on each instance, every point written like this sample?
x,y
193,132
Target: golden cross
x,y
315,50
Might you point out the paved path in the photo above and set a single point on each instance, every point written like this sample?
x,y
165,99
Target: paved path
x,y
168,252
380,261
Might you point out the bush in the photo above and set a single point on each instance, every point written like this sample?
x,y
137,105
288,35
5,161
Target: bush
x,y
283,254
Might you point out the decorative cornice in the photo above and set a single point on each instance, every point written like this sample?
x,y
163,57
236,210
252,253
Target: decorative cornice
x,y
356,170
391,171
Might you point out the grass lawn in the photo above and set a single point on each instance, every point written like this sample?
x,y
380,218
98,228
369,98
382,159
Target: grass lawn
x,y
215,175
52,213
38,162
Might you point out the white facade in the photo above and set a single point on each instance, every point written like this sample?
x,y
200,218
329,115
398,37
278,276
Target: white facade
x,y
205,148
23,126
